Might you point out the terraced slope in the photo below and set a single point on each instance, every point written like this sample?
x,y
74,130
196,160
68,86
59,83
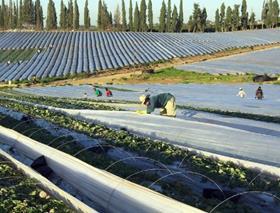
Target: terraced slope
x,y
70,53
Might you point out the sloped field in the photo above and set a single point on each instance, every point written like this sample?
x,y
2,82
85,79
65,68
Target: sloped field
x,y
257,62
70,53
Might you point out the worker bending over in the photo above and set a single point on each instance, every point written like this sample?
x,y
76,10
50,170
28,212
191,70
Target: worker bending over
x,y
164,101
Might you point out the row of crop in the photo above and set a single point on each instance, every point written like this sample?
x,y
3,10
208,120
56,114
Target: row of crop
x,y
103,105
105,51
21,194
177,190
225,172
57,102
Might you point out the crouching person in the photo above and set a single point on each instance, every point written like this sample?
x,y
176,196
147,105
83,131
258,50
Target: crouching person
x,y
165,102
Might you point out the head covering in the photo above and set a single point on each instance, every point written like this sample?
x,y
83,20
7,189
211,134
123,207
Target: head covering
x,y
143,98
240,88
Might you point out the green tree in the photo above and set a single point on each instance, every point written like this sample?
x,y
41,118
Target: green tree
x,y
1,18
181,16
203,18
10,14
104,17
235,17
130,16
51,16
228,21
217,21
150,16
244,15
86,16
124,23
39,17
169,17
117,19
252,20
3,15
136,21
196,18
62,18
268,21
265,14
76,20
190,24
222,17
15,19
107,18
28,12
99,14
143,16
162,18
70,15
275,13
175,20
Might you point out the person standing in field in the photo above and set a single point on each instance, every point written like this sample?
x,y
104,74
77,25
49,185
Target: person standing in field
x,y
259,94
165,101
241,93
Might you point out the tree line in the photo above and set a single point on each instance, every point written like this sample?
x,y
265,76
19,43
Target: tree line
x,y
238,17
28,14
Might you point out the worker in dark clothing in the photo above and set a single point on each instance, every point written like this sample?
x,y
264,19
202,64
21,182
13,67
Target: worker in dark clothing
x,y
165,101
259,94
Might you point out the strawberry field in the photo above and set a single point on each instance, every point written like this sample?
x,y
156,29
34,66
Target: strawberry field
x,y
183,174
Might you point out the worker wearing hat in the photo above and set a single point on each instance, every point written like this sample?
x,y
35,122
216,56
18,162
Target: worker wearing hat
x,y
164,101
241,93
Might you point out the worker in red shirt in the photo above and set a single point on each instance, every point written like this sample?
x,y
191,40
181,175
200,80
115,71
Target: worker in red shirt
x,y
108,92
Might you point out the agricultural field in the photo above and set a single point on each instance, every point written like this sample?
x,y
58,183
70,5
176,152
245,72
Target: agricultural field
x,y
201,180
208,96
260,62
103,154
72,53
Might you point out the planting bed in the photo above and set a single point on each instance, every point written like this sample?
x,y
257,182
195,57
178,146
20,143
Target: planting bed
x,y
218,97
260,62
89,52
19,193
226,174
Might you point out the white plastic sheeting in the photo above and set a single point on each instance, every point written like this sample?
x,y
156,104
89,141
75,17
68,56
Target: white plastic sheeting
x,y
49,186
214,138
76,52
259,62
112,193
216,96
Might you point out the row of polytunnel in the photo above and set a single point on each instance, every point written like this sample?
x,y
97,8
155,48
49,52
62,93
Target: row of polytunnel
x,y
65,53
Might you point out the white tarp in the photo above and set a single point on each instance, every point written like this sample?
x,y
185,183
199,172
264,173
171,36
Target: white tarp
x,y
214,138
50,187
112,193
259,62
216,96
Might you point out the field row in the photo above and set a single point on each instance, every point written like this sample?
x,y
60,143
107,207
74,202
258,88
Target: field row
x,y
231,178
64,53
